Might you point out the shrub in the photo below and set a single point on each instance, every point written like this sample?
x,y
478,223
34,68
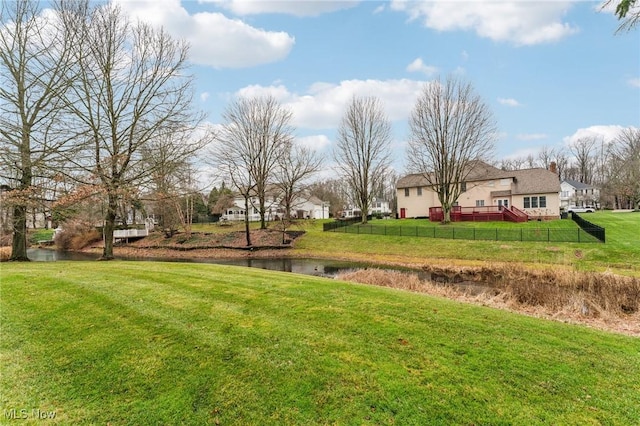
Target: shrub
x,y
76,235
5,253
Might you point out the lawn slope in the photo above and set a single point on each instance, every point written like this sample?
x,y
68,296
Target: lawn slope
x,y
167,343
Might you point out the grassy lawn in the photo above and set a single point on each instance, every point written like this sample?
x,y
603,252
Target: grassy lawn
x,y
36,235
621,252
126,343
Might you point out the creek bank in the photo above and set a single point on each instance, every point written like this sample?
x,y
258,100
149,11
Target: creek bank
x,y
604,301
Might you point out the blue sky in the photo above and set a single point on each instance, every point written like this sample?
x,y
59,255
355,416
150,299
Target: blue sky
x,y
550,71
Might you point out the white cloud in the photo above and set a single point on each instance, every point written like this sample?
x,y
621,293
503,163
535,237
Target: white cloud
x,y
379,9
517,22
531,136
464,55
605,133
459,71
204,96
287,7
322,105
418,66
509,102
634,82
215,40
315,142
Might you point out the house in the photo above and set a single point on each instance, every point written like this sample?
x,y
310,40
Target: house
x,y
310,207
534,191
574,193
377,207
380,207
303,207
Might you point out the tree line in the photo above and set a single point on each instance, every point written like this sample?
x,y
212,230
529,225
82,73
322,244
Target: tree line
x,y
96,107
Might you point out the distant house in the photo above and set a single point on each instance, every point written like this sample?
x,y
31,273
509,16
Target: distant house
x,y
377,207
303,207
534,191
310,207
574,193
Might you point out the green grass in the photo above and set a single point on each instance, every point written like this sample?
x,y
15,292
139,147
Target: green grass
x,y
621,252
123,343
41,234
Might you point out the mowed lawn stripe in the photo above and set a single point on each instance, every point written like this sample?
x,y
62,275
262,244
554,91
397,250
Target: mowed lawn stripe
x,y
149,343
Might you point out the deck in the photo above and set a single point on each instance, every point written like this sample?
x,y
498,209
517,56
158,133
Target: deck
x,y
480,214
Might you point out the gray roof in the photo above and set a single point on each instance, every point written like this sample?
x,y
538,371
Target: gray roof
x,y
412,181
535,181
578,185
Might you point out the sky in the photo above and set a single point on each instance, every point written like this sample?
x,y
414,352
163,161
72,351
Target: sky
x,y
549,71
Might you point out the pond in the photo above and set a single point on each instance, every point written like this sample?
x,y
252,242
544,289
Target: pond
x,y
317,267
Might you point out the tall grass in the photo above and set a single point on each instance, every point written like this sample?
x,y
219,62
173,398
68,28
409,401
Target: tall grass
x,y
554,293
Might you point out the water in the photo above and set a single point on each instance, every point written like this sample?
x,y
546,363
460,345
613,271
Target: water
x,y
316,267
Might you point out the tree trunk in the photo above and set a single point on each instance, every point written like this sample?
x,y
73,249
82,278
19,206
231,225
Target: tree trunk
x,y
246,221
447,215
109,225
19,242
263,224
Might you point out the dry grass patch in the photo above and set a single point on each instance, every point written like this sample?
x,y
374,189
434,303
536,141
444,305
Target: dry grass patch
x,y
5,253
602,300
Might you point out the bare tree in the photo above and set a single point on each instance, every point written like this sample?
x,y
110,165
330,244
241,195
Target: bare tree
x,y
297,164
171,182
562,164
363,149
450,128
582,150
333,191
34,73
546,156
626,166
133,90
257,132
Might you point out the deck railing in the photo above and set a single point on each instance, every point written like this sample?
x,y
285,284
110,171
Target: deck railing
x,y
479,214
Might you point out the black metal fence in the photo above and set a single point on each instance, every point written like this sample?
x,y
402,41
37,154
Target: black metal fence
x,y
576,235
588,227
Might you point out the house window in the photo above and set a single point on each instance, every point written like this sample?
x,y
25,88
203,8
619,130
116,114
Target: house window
x,y
419,191
491,183
534,202
527,202
463,187
505,182
406,192
543,201
479,203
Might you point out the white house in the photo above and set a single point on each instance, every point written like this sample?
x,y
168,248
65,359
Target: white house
x,y
574,193
310,208
303,207
377,207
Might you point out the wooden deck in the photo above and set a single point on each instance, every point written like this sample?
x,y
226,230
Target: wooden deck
x,y
479,214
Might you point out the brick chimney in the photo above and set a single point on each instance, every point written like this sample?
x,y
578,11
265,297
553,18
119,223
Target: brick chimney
x,y
553,167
